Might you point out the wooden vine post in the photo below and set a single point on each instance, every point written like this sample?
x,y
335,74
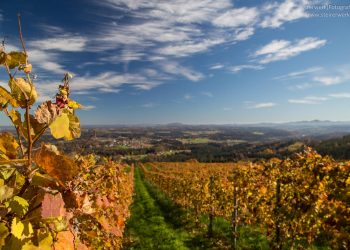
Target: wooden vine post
x,y
211,212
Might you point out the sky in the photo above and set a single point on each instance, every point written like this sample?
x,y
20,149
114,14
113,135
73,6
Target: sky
x,y
188,61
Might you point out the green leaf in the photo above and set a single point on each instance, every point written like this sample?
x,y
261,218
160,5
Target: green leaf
x,y
18,205
14,59
7,172
43,180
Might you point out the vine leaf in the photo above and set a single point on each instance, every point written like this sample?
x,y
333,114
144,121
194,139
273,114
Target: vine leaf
x,y
65,241
46,113
6,97
21,229
14,59
3,233
66,126
18,205
35,129
6,192
74,105
52,206
58,166
20,89
8,146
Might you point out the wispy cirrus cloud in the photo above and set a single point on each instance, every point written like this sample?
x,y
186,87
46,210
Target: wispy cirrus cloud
x,y
237,17
262,105
176,69
298,74
309,100
279,50
317,77
65,43
238,68
287,11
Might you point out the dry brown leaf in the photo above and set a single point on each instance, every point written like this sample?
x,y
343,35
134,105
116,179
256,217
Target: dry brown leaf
x,y
58,166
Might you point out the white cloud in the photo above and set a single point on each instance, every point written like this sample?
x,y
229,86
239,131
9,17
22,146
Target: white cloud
x,y
309,100
107,82
67,43
287,11
273,47
176,69
237,17
299,74
244,33
45,60
340,95
328,80
238,68
88,107
188,48
278,50
217,66
262,105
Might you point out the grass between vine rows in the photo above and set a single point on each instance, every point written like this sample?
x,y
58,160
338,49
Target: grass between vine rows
x,y
157,223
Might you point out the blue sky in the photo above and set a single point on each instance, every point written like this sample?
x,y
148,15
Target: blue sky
x,y
190,61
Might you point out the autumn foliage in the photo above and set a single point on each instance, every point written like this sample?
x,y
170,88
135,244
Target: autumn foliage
x,y
299,201
49,200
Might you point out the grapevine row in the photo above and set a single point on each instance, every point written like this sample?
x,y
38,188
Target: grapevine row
x,y
296,201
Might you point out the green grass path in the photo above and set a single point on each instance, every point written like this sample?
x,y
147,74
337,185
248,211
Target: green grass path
x,y
147,228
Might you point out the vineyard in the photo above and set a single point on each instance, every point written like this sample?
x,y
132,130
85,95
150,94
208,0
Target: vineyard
x,y
50,200
296,202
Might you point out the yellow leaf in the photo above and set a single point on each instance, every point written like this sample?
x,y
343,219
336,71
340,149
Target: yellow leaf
x,y
74,105
8,146
20,89
6,97
66,126
60,126
17,228
14,59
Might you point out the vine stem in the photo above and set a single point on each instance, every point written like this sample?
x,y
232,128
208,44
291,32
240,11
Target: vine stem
x,y
21,36
30,139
